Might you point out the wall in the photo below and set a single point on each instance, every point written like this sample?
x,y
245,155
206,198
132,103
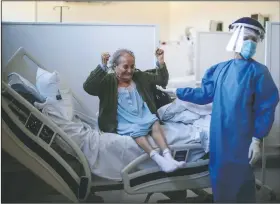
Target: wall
x,y
198,14
18,11
123,12
115,12
172,16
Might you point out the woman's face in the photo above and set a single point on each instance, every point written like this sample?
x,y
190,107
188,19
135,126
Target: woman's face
x,y
251,37
126,67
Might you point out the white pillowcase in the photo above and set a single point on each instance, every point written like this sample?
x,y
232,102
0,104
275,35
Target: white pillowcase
x,y
49,85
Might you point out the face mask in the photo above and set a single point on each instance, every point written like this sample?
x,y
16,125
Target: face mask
x,y
248,49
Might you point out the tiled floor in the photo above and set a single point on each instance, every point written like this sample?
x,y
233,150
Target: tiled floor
x,y
23,186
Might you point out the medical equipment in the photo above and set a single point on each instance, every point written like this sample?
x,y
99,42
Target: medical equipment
x,y
179,57
61,11
34,140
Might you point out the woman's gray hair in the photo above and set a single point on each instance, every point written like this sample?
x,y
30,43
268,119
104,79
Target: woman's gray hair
x,y
116,56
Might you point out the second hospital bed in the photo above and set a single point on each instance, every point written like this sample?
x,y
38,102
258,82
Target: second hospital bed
x,y
33,140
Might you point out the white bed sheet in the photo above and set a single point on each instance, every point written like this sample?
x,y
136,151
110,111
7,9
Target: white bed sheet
x,y
115,151
109,153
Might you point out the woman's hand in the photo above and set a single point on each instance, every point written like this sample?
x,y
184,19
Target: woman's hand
x,y
160,55
105,58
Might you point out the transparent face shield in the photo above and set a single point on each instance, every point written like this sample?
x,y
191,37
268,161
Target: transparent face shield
x,y
242,32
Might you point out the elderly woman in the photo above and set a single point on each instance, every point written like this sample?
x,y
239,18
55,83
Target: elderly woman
x,y
127,104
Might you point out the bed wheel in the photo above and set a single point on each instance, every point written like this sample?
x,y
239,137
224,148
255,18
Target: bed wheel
x,y
92,198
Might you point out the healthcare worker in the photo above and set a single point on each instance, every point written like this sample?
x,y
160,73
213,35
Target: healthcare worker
x,y
244,99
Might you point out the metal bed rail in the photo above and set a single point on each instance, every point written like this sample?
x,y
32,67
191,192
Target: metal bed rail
x,y
31,126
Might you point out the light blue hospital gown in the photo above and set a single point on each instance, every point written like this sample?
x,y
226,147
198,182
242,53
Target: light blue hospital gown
x,y
134,117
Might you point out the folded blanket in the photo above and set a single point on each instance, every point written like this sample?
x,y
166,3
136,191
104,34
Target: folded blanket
x,y
188,113
191,111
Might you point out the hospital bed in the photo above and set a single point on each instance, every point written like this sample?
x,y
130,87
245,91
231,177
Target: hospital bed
x,y
34,140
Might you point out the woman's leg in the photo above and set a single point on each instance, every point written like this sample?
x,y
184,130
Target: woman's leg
x,y
144,144
159,137
163,163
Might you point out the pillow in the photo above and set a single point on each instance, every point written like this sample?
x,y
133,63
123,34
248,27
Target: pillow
x,y
49,85
25,88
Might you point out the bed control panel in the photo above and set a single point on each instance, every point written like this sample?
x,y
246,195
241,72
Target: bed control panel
x,y
46,134
180,155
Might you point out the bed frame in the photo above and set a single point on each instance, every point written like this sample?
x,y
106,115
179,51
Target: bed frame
x,y
31,138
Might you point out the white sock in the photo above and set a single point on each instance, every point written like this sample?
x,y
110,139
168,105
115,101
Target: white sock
x,y
163,163
167,155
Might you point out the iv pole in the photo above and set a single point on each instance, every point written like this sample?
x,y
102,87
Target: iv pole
x,y
61,10
36,11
